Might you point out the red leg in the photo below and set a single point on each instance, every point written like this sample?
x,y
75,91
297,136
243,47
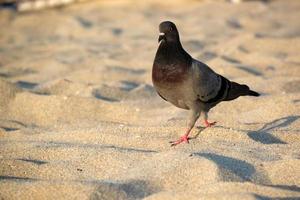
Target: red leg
x,y
185,138
209,124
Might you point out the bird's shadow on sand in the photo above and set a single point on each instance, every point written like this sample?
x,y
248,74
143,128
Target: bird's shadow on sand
x,y
236,170
263,136
230,169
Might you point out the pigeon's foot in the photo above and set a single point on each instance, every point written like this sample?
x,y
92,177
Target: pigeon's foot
x,y
183,138
209,124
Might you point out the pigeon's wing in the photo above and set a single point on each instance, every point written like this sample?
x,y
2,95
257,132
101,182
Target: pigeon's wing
x,y
208,85
211,87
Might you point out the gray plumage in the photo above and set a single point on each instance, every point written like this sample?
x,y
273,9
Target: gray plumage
x,y
188,83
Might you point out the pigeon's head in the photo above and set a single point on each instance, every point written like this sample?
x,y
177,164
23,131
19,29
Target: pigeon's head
x,y
168,32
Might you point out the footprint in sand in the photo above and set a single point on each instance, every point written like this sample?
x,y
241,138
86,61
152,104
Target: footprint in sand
x,y
292,87
117,31
85,23
234,23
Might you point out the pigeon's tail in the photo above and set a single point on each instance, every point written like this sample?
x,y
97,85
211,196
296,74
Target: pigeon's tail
x,y
236,90
253,93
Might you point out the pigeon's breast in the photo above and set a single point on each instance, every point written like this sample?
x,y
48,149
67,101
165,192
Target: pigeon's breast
x,y
173,85
169,74
176,94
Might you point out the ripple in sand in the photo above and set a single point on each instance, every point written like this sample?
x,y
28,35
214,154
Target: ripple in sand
x,y
67,145
143,91
8,129
26,84
99,95
14,72
278,34
126,70
7,91
250,70
18,179
263,197
126,91
128,85
194,45
134,189
234,23
34,161
231,60
84,22
206,56
243,49
69,58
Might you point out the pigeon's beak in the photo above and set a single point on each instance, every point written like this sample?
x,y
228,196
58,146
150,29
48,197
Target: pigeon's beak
x,y
161,37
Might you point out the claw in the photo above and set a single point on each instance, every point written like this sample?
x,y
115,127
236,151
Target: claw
x,y
183,138
209,124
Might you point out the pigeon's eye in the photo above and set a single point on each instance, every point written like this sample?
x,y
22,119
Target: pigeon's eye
x,y
170,29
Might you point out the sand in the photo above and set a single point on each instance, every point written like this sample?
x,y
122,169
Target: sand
x,y
79,118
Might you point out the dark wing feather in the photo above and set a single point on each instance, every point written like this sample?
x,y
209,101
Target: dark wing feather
x,y
207,83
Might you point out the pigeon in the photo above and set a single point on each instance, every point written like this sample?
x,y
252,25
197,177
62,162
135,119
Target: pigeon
x,y
188,83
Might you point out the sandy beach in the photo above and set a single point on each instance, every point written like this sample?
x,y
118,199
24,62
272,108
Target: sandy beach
x,y
80,119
